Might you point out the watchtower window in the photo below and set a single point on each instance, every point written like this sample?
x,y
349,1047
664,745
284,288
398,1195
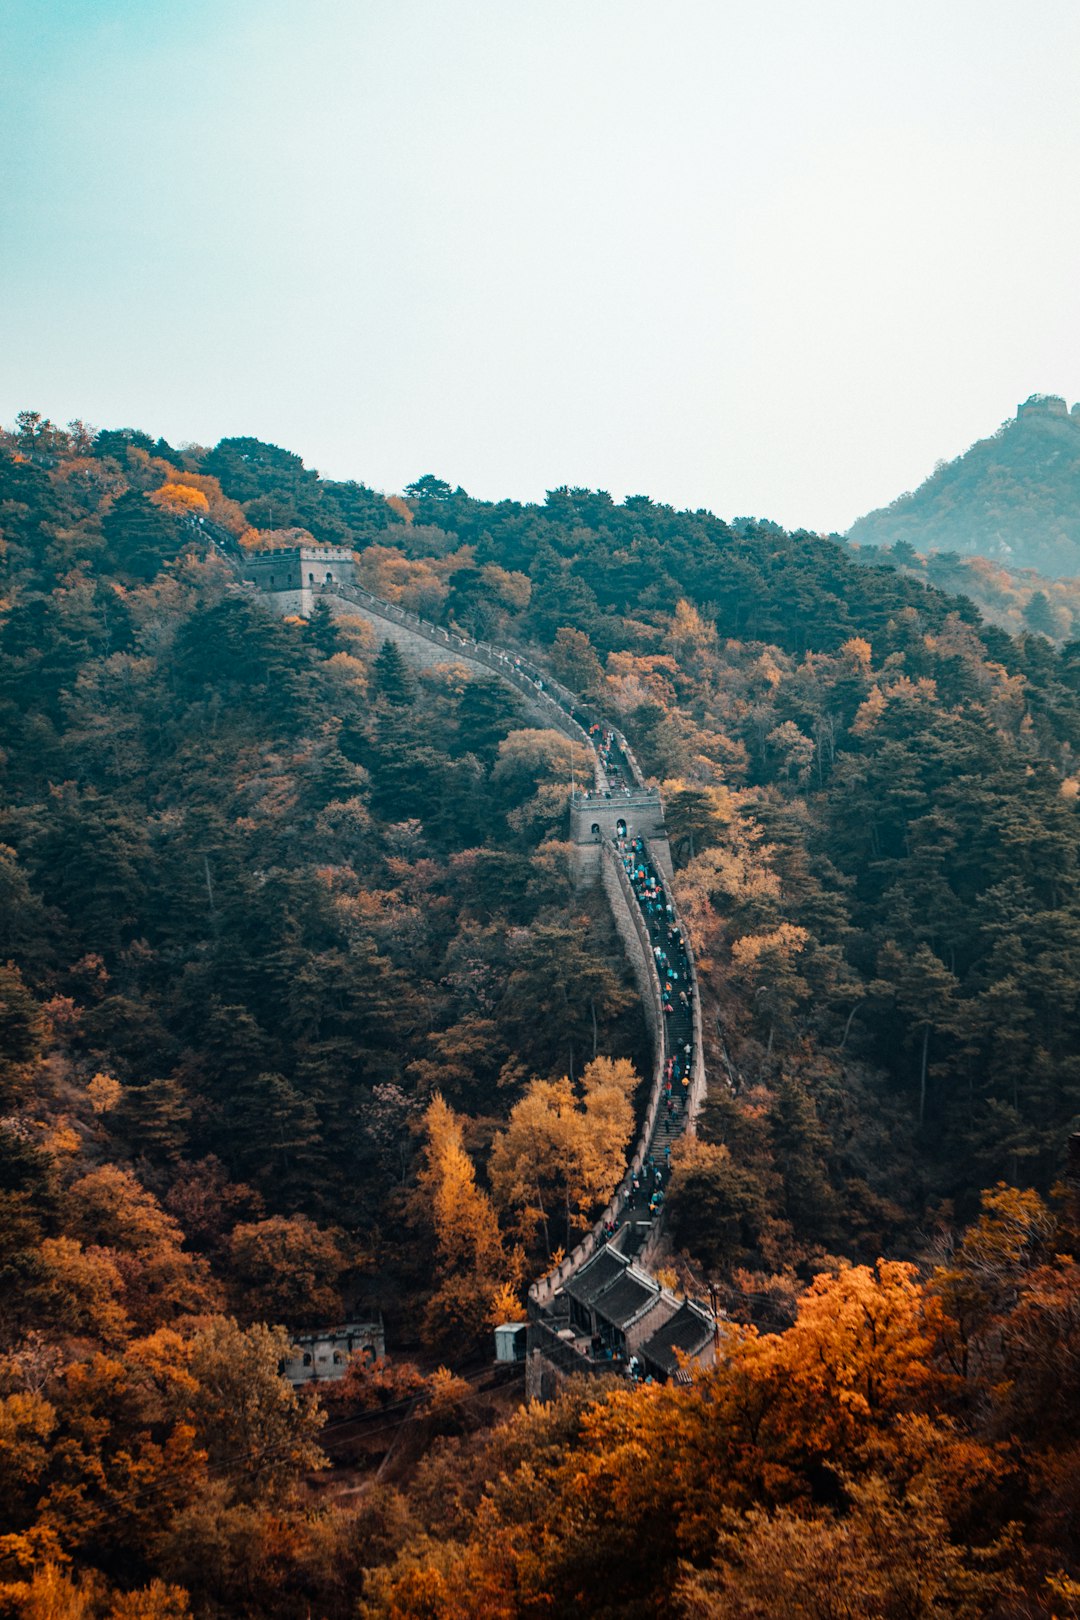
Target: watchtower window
x,y
311,579
620,828
596,831
329,576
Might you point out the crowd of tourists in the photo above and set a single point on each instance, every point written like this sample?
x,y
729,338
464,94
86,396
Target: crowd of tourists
x,y
647,1187
607,752
613,767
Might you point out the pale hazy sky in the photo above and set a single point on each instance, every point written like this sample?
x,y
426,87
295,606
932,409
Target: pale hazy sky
x,y
773,257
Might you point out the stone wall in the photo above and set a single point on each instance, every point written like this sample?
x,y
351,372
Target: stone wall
x,y
635,938
417,648
626,915
696,1094
427,645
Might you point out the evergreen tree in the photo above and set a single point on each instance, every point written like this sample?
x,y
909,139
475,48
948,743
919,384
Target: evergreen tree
x,y
320,630
486,711
392,680
1038,615
141,537
802,1149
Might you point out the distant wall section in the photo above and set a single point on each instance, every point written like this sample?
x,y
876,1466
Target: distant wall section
x,y
294,580
1043,405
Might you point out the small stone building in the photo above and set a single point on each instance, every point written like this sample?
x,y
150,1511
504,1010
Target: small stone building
x,y
616,1305
326,1352
617,1311
510,1341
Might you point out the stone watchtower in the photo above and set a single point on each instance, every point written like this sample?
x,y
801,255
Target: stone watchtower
x,y
1042,405
295,575
595,816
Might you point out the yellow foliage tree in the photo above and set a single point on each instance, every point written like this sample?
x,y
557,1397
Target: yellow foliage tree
x,y
81,1290
286,1269
562,1152
446,1393
869,713
470,1261
537,758
859,651
890,1555
104,1093
228,513
414,584
860,1352
27,1423
693,637
505,1305
510,587
111,1210
180,498
766,963
466,1231
400,508
574,660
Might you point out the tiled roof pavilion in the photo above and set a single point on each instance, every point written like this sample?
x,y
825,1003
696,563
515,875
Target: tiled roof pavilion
x,y
628,1298
690,1330
589,1283
616,1297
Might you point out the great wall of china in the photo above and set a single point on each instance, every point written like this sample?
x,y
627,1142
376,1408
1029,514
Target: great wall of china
x,y
601,1308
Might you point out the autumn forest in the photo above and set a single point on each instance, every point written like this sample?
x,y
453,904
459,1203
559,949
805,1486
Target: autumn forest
x,y
302,1014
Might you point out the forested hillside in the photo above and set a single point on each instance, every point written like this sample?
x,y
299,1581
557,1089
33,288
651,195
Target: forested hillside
x,y
1018,600
294,970
1013,498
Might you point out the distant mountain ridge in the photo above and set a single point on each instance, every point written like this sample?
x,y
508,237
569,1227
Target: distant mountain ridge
x,y
1013,497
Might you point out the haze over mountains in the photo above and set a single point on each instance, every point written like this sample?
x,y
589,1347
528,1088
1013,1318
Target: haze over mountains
x,y
1013,497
